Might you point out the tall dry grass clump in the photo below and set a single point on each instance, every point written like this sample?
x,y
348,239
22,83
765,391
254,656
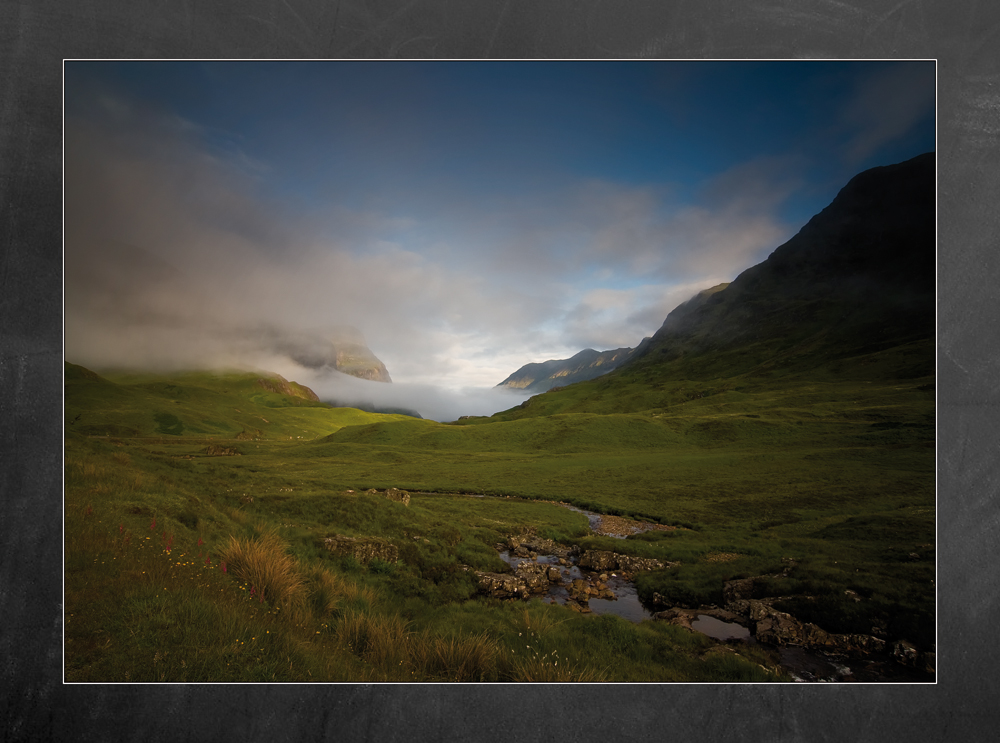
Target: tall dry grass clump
x,y
549,669
380,640
264,563
331,594
460,659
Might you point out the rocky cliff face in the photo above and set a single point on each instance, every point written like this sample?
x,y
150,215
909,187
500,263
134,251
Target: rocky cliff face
x,y
342,349
588,364
358,361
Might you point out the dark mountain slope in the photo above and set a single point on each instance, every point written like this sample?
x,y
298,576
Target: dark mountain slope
x,y
850,297
858,278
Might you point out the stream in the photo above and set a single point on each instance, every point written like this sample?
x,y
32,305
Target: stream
x,y
803,665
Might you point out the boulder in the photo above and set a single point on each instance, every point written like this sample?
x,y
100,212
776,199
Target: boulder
x,y
599,560
577,591
534,576
362,549
394,494
502,585
779,628
905,653
675,616
603,561
738,590
525,544
527,578
215,450
400,496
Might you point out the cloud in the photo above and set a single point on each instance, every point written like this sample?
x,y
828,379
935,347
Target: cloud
x,y
604,317
649,232
174,258
590,229
177,256
886,106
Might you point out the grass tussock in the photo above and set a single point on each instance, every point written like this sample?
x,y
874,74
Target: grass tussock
x,y
549,669
264,563
378,639
331,594
535,622
456,658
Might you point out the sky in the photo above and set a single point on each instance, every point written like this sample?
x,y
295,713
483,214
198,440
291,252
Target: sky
x,y
466,218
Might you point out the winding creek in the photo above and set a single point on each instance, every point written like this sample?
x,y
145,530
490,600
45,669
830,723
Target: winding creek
x,y
803,665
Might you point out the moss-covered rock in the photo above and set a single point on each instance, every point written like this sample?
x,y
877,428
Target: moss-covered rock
x,y
362,549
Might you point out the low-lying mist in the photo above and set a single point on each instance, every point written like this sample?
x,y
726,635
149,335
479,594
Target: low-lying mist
x,y
428,401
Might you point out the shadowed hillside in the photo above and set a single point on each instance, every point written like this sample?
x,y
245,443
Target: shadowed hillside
x,y
851,296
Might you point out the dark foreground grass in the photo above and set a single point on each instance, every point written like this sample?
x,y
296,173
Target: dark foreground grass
x,y
834,479
242,596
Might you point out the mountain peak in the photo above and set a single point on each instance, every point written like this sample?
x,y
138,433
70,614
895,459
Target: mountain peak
x,y
860,275
341,348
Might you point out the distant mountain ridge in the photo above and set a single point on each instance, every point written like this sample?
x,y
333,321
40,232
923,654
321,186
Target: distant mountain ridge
x,y
588,364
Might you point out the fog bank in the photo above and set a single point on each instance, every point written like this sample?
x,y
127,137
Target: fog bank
x,y
431,402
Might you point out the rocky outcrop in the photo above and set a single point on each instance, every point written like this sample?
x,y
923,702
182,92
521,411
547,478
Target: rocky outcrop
x,y
739,590
362,549
502,586
528,578
529,545
534,576
582,590
393,494
742,589
215,450
907,654
616,526
400,496
602,560
780,628
341,348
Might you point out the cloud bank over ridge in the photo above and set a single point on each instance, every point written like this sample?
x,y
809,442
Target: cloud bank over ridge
x,y
462,242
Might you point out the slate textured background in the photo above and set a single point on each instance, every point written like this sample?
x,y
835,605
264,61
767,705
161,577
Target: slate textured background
x,y
35,35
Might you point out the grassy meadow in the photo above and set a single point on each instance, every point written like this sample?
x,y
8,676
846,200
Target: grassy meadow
x,y
196,506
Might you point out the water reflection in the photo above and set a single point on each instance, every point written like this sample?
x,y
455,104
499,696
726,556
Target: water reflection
x,y
720,630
